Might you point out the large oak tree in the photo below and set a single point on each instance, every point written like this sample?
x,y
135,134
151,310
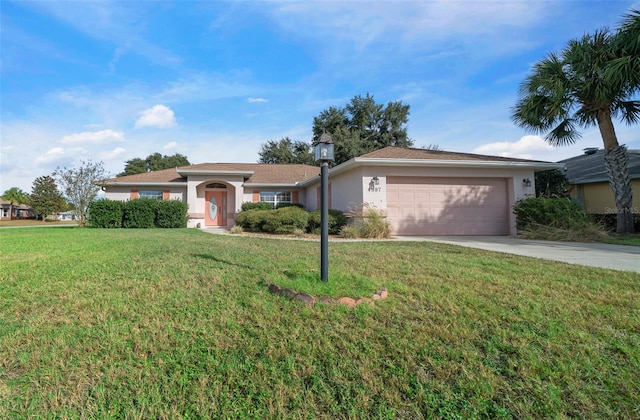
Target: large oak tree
x,y
359,127
153,162
363,126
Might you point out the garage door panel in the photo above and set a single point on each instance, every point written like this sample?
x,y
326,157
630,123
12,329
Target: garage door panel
x,y
447,206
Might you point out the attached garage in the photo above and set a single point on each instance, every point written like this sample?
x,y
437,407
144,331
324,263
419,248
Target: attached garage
x,y
447,206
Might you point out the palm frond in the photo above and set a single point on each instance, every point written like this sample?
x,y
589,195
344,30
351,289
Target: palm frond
x,y
544,96
628,35
624,69
564,134
585,117
629,111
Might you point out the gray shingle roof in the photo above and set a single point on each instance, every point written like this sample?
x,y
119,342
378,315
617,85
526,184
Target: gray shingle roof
x,y
586,169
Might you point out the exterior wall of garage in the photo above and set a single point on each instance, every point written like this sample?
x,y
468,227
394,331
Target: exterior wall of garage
x,y
356,187
447,205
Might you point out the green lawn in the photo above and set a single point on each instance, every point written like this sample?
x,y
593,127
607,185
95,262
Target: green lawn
x,y
178,323
631,240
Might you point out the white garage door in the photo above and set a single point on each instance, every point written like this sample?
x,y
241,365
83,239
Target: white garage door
x,y
447,206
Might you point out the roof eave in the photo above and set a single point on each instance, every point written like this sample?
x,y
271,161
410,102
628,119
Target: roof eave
x,y
273,184
133,183
436,163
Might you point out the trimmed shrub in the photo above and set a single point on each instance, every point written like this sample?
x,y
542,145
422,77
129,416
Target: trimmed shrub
x,y
171,214
256,206
286,220
283,220
337,220
283,205
105,214
252,220
140,213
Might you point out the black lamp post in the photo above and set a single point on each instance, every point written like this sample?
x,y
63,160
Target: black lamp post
x,y
324,155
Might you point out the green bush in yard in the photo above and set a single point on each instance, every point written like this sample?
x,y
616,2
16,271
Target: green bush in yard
x,y
337,220
105,214
558,212
252,220
256,206
285,204
171,214
140,213
286,220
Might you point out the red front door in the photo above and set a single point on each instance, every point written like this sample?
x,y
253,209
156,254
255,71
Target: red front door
x,y
216,208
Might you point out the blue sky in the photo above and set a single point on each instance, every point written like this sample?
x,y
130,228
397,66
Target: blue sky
x,y
111,81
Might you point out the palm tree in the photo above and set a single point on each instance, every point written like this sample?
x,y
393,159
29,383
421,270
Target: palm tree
x,y
589,84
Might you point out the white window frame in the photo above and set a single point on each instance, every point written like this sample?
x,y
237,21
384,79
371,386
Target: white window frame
x,y
276,197
152,194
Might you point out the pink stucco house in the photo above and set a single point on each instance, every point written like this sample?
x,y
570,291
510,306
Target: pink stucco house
x,y
422,192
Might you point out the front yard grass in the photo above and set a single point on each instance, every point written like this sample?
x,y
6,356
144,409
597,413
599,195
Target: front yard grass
x,y
178,323
630,240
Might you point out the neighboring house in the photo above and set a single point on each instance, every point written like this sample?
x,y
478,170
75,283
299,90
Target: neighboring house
x,y
589,182
422,192
66,215
15,211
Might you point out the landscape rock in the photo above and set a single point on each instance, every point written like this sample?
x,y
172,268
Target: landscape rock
x,y
364,300
305,298
326,300
383,294
375,296
274,288
347,301
288,293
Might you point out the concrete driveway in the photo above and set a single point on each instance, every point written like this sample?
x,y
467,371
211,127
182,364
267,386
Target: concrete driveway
x,y
616,257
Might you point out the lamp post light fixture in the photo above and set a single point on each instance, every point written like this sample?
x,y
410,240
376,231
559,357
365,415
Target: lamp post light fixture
x,y
324,153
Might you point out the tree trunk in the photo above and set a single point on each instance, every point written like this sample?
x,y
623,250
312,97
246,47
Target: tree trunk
x,y
615,157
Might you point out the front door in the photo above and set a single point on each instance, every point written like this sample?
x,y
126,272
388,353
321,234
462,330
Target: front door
x,y
216,211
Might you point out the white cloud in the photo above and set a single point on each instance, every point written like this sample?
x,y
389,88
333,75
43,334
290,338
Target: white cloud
x,y
159,116
526,148
254,100
94,137
51,155
200,86
171,145
118,151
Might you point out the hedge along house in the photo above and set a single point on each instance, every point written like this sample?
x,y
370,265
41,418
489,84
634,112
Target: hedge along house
x,y
422,192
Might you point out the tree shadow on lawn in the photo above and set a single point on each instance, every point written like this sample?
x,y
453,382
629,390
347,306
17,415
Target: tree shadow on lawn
x,y
220,260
